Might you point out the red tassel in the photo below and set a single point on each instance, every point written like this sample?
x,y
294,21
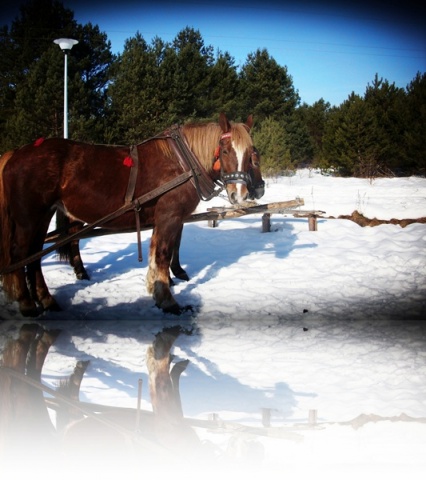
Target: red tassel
x,y
39,141
216,166
128,162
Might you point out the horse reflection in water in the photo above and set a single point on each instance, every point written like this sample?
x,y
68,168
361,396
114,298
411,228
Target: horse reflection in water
x,y
88,182
82,437
160,437
120,435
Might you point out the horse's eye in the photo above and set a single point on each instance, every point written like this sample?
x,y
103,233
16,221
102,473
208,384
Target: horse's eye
x,y
254,160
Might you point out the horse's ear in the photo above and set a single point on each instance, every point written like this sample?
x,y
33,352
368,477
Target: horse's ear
x,y
249,122
224,123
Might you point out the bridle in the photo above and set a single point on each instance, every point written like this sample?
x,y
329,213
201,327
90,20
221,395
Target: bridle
x,y
255,189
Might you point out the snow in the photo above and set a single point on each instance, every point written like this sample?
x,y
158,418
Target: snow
x,y
293,320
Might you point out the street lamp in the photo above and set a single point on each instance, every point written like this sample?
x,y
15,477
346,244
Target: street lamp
x,y
66,44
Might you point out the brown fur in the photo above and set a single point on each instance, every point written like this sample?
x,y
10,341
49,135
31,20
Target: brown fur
x,y
5,231
90,181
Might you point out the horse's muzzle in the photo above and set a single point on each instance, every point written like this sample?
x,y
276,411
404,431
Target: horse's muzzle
x,y
256,191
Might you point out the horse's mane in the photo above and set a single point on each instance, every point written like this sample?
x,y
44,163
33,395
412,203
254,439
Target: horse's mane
x,y
204,138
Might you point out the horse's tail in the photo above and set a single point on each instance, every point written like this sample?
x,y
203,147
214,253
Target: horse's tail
x,y
5,220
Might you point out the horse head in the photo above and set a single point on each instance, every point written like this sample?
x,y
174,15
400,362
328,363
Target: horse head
x,y
238,161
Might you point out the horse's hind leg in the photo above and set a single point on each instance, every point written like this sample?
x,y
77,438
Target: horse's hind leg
x,y
76,261
37,285
71,251
38,288
175,265
15,286
15,282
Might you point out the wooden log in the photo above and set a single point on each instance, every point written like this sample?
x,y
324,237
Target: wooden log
x,y
212,215
266,222
313,223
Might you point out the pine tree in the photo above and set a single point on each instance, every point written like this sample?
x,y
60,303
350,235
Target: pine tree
x,y
223,87
351,141
415,133
266,88
271,141
134,103
314,117
39,102
32,82
191,80
385,101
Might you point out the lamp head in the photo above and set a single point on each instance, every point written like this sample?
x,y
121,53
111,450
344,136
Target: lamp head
x,y
65,43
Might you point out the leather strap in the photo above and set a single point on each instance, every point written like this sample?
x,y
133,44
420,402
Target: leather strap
x,y
133,174
130,193
205,186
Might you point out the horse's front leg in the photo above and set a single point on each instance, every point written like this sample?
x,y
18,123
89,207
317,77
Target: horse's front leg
x,y
160,254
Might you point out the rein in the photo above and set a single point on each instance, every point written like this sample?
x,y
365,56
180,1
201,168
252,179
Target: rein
x,y
205,186
182,178
206,189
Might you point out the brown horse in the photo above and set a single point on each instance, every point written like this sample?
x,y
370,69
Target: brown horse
x,y
90,182
70,252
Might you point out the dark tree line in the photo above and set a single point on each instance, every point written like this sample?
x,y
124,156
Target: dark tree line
x,y
125,98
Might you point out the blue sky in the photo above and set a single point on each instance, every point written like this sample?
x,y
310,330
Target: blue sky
x,y
330,48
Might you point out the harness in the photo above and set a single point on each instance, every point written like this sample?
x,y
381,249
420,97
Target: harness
x,y
192,170
206,187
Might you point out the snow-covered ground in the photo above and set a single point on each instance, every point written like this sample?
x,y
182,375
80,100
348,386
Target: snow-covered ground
x,y
294,321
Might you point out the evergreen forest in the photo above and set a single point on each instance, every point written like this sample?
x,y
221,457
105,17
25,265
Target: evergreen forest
x,y
126,98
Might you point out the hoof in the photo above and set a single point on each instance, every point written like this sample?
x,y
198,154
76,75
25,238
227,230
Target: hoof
x,y
51,305
82,275
177,309
29,309
80,272
180,274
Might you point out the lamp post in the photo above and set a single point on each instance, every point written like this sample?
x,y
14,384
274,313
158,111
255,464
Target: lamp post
x,y
66,44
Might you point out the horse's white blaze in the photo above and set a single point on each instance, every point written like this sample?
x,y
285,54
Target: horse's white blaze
x,y
239,186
